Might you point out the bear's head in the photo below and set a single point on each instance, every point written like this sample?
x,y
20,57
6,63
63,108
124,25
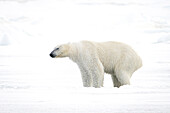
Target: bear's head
x,y
60,51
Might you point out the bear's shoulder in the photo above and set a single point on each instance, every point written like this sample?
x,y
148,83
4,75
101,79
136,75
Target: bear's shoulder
x,y
86,43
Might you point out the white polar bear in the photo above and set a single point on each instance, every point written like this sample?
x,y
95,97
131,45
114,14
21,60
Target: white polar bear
x,y
94,58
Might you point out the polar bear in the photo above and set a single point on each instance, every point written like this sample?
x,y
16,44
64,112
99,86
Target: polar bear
x,y
96,58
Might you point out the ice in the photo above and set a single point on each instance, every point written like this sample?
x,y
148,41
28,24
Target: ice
x,y
32,82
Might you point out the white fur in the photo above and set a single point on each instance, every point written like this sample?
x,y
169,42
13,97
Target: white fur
x,y
93,59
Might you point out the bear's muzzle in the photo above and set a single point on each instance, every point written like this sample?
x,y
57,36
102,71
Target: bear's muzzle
x,y
52,55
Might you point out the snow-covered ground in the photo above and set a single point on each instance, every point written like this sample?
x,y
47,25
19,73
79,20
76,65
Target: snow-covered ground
x,y
32,82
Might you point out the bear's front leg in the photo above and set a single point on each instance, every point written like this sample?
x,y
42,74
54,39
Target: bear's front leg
x,y
96,80
86,76
97,71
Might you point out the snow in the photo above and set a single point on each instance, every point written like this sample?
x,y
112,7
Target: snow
x,y
32,82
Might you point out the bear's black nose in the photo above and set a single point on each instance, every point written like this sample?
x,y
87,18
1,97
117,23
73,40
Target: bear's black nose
x,y
52,55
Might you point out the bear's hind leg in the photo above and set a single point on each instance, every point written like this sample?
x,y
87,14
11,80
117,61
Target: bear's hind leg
x,y
116,83
123,78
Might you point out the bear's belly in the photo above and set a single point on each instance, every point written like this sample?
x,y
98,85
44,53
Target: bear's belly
x,y
109,71
108,68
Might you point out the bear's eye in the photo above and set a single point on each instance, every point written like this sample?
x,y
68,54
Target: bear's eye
x,y
57,49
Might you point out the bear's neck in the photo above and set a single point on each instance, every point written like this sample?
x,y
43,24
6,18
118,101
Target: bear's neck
x,y
73,52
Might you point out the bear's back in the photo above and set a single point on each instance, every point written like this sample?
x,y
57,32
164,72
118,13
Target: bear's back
x,y
112,53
